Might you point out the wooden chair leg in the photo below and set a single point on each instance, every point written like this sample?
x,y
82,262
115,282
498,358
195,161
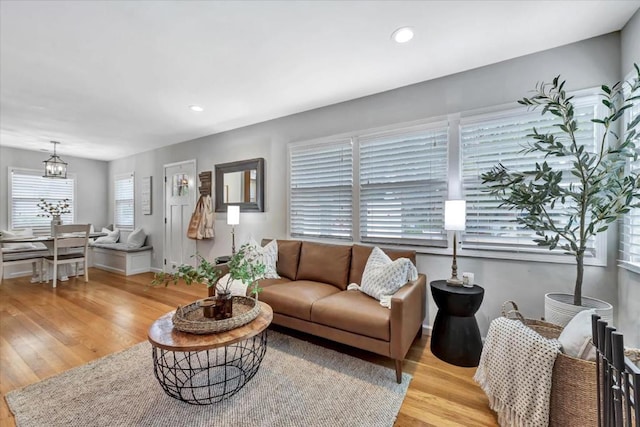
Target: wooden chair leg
x,y
86,272
398,371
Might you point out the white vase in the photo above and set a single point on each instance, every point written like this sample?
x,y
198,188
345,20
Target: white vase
x,y
559,308
55,220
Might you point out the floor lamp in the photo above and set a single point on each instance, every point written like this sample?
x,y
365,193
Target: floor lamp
x,y
233,219
455,212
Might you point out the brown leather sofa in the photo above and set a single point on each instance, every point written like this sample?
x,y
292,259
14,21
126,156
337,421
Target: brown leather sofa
x,y
311,296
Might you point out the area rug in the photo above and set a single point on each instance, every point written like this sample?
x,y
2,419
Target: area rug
x,y
298,384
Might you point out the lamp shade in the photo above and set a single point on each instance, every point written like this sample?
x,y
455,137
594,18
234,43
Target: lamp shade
x,y
455,214
233,215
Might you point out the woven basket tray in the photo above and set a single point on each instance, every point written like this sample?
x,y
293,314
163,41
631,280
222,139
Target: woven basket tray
x,y
190,318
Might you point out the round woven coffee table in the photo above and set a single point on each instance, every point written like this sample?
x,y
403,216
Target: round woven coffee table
x,y
205,369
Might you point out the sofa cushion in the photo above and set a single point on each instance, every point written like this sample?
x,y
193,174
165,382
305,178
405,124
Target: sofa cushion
x,y
325,263
265,283
360,256
355,312
296,298
288,257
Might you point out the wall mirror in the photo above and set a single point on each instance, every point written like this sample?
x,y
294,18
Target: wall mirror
x,y
240,183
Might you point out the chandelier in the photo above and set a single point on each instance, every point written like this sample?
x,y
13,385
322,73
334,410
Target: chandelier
x,y
54,167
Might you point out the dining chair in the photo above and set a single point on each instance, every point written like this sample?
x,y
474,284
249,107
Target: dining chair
x,y
66,238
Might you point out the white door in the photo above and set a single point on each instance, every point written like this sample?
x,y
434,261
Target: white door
x,y
180,201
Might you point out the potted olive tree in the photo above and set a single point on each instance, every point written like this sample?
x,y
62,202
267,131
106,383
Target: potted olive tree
x,y
601,188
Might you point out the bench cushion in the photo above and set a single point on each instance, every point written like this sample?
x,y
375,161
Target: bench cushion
x,y
123,247
19,255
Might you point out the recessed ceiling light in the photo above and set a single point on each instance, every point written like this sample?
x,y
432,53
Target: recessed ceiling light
x,y
402,35
196,108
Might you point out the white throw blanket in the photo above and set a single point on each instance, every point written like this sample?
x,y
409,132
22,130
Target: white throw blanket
x,y
515,372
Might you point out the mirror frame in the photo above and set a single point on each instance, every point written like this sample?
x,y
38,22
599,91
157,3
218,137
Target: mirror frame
x,y
239,166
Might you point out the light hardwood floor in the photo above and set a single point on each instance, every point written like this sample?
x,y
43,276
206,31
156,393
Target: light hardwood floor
x,y
45,331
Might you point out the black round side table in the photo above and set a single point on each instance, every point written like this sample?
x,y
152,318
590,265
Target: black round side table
x,y
456,337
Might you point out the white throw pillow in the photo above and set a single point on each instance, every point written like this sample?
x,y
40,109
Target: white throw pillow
x,y
14,234
267,255
383,277
576,337
136,238
111,237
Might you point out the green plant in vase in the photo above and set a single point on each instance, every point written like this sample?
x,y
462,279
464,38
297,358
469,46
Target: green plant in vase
x,y
245,266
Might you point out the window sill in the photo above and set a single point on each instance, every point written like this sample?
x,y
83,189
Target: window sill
x,y
634,268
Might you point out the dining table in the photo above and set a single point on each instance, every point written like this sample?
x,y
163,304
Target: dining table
x,y
48,242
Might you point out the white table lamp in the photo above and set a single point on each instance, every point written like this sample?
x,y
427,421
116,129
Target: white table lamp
x,y
455,213
233,219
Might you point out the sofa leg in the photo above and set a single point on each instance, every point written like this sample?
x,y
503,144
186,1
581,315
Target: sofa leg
x,y
398,371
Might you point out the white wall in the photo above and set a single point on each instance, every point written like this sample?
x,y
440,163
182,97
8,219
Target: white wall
x,y
585,64
629,282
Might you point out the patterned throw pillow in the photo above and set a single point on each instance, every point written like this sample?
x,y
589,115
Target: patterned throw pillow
x,y
383,277
268,255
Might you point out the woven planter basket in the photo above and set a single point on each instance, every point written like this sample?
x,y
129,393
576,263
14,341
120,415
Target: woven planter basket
x,y
574,387
190,318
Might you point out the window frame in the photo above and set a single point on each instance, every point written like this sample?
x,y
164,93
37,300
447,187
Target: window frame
x,y
397,132
123,177
588,97
624,257
325,142
454,191
355,137
37,229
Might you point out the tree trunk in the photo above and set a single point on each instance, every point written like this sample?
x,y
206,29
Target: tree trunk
x,y
577,292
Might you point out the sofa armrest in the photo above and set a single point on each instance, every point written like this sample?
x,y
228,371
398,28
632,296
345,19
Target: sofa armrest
x,y
408,310
224,269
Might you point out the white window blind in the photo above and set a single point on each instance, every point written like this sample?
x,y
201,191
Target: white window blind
x,y
500,138
403,186
124,202
630,238
320,199
27,188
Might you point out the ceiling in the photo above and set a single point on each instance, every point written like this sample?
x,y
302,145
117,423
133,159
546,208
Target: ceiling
x,y
111,78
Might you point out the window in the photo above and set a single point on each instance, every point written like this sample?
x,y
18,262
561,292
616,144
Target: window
x,y
124,202
403,186
499,138
630,236
27,187
385,187
320,199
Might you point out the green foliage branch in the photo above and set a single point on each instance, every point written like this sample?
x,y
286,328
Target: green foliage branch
x,y
604,189
246,265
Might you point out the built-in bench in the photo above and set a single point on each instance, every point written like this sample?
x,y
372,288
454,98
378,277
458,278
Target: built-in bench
x,y
122,259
